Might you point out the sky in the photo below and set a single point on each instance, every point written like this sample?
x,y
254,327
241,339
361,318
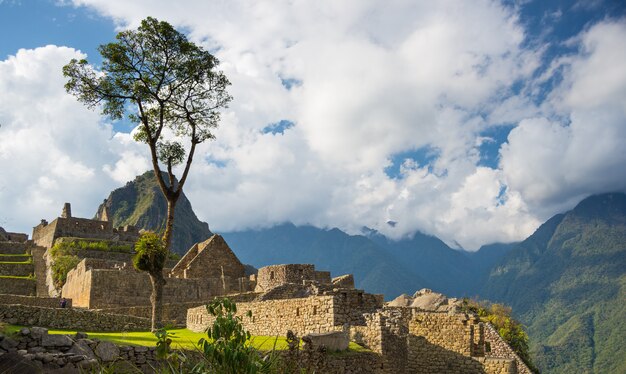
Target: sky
x,y
471,121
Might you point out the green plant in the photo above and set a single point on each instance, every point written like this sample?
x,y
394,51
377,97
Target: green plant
x,y
499,315
226,349
61,266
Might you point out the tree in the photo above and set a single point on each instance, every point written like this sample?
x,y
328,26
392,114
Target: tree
x,y
160,81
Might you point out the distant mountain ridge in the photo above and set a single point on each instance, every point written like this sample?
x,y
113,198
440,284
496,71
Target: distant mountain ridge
x,y
567,282
141,203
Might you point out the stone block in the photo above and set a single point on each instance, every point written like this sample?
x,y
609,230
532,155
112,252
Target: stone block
x,y
107,351
56,341
333,340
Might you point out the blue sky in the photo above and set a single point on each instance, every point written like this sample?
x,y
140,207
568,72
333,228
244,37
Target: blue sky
x,y
474,121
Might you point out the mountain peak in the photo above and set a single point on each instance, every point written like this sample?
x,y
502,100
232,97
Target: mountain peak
x,y
141,203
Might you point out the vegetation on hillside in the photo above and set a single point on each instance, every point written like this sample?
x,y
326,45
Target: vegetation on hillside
x,y
510,330
567,283
141,204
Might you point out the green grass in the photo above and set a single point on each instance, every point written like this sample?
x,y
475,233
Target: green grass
x,y
30,277
15,255
30,261
182,339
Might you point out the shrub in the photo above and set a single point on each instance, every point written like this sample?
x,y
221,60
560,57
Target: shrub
x,y
61,266
226,349
511,330
150,253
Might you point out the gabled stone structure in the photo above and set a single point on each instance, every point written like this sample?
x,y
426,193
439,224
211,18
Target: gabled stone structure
x,y
210,259
209,269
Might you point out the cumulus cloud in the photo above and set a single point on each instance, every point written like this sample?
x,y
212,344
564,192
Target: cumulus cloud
x,y
579,149
52,149
364,81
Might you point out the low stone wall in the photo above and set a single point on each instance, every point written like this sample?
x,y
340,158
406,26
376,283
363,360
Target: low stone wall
x,y
498,365
173,314
16,270
75,319
34,350
18,286
13,248
275,317
46,302
500,349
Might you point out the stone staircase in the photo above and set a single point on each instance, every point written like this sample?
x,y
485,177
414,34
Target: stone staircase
x,y
17,269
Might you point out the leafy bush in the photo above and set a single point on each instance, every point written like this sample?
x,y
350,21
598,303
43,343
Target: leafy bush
x,y
150,253
61,266
227,349
499,315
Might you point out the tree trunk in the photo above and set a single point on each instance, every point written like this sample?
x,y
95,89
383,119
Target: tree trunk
x,y
169,224
156,299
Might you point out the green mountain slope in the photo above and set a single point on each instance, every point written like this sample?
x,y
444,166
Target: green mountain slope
x,y
141,203
567,283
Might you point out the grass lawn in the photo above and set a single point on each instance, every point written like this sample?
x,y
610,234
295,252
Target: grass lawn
x,y
182,339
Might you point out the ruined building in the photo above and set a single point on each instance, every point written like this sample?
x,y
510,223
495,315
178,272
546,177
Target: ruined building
x,y
405,336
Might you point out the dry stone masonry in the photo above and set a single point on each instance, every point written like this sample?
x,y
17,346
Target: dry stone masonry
x,y
422,333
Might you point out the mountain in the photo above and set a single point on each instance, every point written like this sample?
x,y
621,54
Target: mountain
x,y
452,272
567,283
141,203
333,250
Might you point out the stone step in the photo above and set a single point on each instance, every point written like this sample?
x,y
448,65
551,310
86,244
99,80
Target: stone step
x,y
16,270
13,248
18,286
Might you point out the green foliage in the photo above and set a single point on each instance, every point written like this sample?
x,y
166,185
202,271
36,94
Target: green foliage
x,y
226,348
510,330
64,255
61,266
172,81
67,246
150,253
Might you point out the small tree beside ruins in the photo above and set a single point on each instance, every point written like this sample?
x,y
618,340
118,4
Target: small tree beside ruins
x,y
174,87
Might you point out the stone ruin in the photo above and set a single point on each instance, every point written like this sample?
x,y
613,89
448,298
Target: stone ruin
x,y
423,333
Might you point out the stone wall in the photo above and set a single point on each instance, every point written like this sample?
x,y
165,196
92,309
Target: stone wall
x,y
33,350
276,275
275,317
498,365
13,248
47,302
16,237
173,314
92,287
442,343
211,258
39,265
16,270
18,286
45,233
500,349
70,318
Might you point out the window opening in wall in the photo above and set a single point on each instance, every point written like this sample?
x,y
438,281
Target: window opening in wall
x,y
487,347
314,310
271,275
297,312
360,298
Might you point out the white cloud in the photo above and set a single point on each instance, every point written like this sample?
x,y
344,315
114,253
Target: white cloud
x,y
374,79
554,163
51,148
